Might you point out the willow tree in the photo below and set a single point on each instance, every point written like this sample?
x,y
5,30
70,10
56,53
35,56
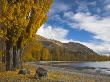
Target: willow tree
x,y
19,22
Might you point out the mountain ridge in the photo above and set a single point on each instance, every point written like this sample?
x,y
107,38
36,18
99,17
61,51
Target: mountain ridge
x,y
69,45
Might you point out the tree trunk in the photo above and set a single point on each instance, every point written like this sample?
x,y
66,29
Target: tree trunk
x,y
13,55
9,56
17,58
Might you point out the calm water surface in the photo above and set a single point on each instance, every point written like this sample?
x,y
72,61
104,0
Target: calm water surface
x,y
105,64
88,67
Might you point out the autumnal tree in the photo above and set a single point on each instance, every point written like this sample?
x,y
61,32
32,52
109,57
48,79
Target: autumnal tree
x,y
45,54
19,21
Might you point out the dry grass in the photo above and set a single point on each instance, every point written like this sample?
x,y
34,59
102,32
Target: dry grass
x,y
54,75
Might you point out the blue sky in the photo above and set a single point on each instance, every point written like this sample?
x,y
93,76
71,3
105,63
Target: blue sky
x,y
82,21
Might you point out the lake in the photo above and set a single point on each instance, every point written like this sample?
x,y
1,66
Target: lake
x,y
104,64
88,67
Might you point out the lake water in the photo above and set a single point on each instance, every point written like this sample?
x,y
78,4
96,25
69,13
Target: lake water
x,y
103,65
89,67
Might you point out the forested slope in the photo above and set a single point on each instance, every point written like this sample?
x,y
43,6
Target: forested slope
x,y
46,49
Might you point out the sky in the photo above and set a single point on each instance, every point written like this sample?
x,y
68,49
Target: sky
x,y
82,21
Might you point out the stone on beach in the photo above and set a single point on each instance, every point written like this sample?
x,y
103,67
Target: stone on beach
x,y
24,71
40,72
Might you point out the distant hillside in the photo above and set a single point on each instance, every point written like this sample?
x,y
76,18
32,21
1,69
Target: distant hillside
x,y
71,46
46,49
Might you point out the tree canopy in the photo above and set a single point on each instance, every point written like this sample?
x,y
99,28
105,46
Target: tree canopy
x,y
20,19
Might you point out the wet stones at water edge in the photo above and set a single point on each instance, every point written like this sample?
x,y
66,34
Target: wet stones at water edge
x,y
40,72
24,71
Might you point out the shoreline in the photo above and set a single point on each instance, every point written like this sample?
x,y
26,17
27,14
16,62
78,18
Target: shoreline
x,y
67,69
71,73
67,66
55,74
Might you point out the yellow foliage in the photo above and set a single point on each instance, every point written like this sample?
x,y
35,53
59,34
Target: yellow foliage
x,y
22,18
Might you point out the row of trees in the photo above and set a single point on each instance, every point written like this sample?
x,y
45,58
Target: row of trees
x,y
19,22
36,51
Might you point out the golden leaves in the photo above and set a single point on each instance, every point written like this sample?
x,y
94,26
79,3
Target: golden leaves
x,y
20,16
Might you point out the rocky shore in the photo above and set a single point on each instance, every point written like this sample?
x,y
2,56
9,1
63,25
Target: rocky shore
x,y
62,74
55,74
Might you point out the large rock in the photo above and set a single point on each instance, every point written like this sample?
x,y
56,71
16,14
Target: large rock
x,y
24,71
40,72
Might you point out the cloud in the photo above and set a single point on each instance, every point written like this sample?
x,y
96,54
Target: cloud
x,y
68,14
53,33
93,24
108,7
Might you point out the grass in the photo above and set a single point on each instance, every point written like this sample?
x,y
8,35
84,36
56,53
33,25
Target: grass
x,y
54,75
